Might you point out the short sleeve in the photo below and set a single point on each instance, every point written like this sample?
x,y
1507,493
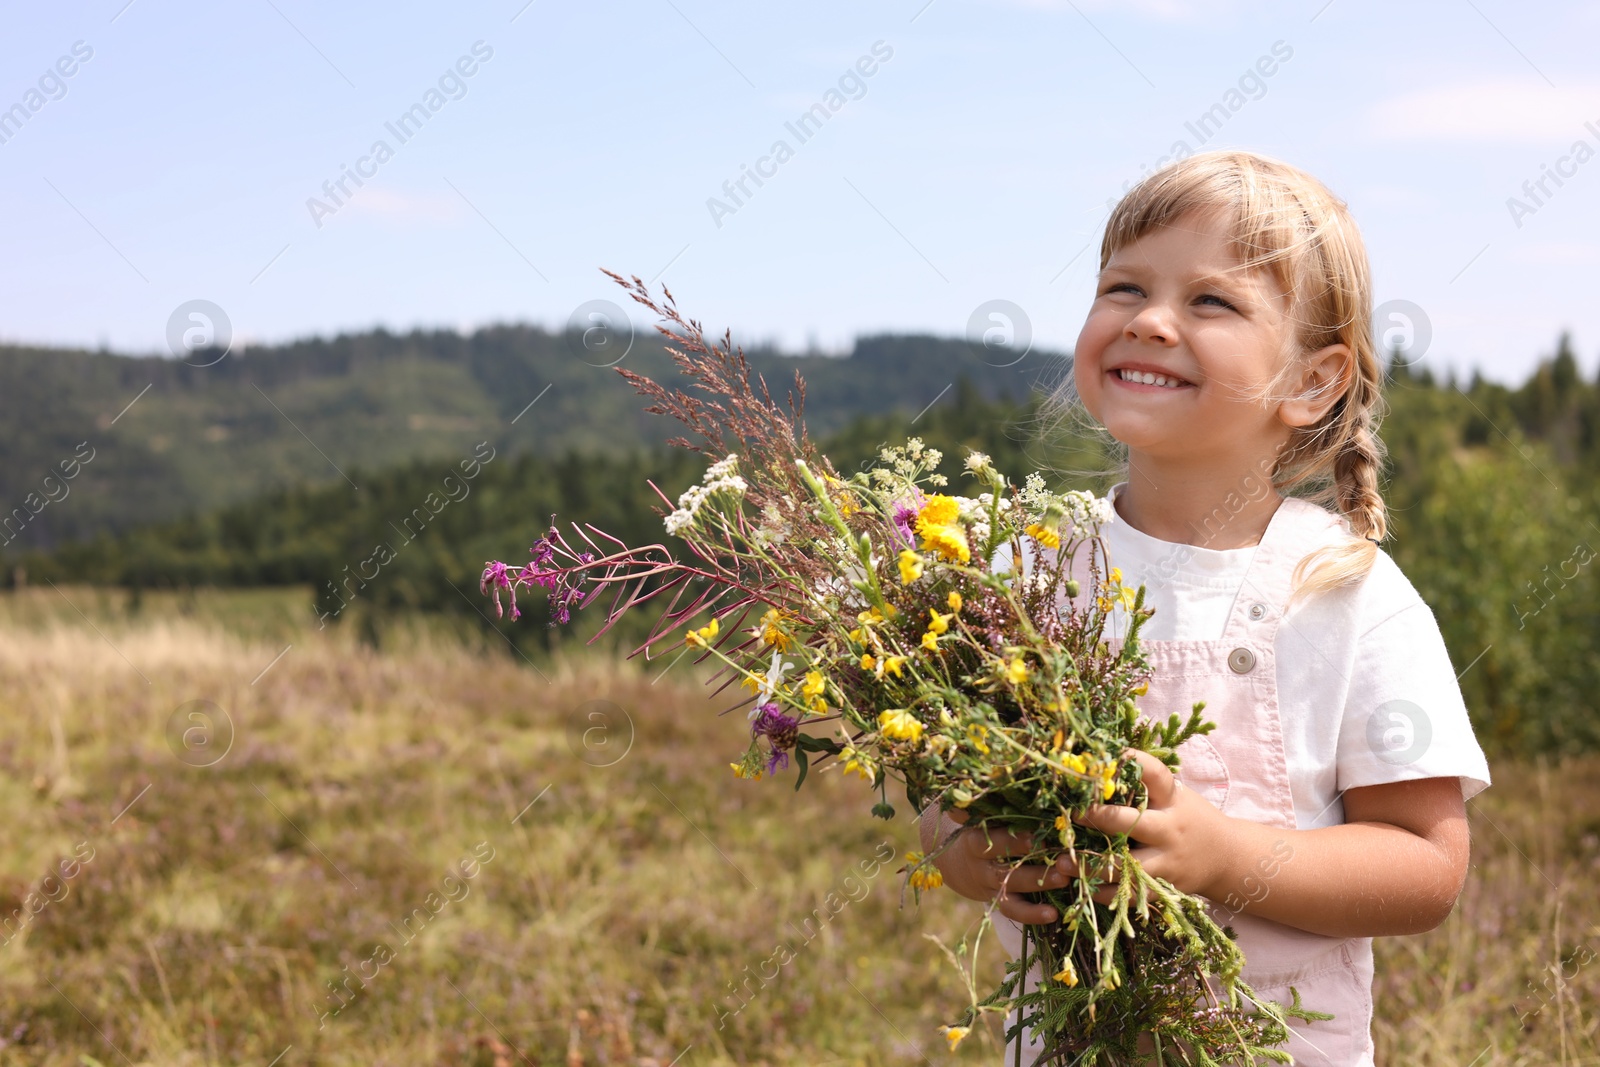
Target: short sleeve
x,y
1404,717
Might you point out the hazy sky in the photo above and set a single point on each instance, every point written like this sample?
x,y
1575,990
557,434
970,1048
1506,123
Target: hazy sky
x,y
973,163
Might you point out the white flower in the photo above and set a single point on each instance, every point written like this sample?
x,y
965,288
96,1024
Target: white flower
x,y
976,461
720,478
722,468
774,679
773,529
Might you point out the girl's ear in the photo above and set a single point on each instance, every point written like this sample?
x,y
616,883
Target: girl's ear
x,y
1324,377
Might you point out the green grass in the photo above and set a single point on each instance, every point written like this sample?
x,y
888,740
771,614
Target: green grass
x,y
617,910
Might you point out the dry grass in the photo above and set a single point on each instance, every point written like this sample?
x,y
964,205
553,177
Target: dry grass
x,y
617,912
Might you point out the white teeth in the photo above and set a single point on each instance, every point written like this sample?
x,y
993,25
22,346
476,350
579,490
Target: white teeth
x,y
1148,378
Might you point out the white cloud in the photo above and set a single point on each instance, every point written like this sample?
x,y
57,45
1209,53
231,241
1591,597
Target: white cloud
x,y
1524,110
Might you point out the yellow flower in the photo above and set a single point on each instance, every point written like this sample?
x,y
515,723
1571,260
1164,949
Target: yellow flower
x,y
812,691
900,725
938,624
858,764
892,665
698,638
771,635
954,1035
1116,592
1044,535
938,510
949,541
855,635
1076,762
910,566
954,600
753,682
1057,741
867,661
923,875
930,641
1067,975
1108,780
1141,689
976,733
1016,670
738,772
1061,822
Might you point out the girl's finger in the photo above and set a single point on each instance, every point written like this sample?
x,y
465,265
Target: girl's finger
x,y
1159,780
1024,912
1112,818
1004,843
1032,879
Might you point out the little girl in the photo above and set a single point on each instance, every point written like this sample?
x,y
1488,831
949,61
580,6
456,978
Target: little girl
x,y
1228,349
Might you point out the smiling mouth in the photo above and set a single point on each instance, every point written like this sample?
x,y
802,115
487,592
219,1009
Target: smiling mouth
x,y
1139,377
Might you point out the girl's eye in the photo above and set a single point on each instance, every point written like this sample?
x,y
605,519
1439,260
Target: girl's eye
x,y
1218,301
1124,287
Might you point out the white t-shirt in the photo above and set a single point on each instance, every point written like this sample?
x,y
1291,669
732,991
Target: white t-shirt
x,y
1366,691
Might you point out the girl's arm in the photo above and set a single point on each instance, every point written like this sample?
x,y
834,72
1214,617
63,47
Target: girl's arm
x,y
1395,866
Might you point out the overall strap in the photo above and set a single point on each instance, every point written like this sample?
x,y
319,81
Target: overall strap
x,y
1297,528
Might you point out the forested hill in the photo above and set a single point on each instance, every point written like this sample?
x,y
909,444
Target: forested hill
x,y
196,437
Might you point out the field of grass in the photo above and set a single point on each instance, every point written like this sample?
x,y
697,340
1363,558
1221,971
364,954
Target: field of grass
x,y
232,838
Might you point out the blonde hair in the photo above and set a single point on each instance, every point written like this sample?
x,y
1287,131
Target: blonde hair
x,y
1287,223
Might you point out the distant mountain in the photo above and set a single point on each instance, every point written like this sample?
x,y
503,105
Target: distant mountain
x,y
99,443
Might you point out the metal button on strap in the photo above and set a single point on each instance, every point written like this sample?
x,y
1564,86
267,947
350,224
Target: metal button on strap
x,y
1258,611
1241,660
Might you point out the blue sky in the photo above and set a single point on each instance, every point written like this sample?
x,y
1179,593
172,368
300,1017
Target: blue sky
x,y
974,163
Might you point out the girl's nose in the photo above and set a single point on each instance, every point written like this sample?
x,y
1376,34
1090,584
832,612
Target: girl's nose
x,y
1151,324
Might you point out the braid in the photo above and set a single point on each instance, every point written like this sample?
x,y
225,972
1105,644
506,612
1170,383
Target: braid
x,y
1355,479
1351,458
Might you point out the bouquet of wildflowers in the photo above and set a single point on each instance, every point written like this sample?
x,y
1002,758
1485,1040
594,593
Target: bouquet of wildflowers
x,y
877,624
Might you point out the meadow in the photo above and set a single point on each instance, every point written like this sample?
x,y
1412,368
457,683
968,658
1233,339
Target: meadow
x,y
232,837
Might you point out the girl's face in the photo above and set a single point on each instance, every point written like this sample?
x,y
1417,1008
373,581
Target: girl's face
x,y
1174,304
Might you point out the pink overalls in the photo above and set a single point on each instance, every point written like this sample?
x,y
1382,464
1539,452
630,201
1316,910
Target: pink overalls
x,y
1241,768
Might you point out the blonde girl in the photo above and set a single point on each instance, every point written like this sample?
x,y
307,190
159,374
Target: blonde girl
x,y
1229,351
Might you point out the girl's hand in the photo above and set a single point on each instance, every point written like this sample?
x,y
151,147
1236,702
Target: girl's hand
x,y
1185,838
982,870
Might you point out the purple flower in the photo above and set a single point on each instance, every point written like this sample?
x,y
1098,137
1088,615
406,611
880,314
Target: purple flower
x,y
541,571
781,730
905,517
494,573
495,578
543,551
561,603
